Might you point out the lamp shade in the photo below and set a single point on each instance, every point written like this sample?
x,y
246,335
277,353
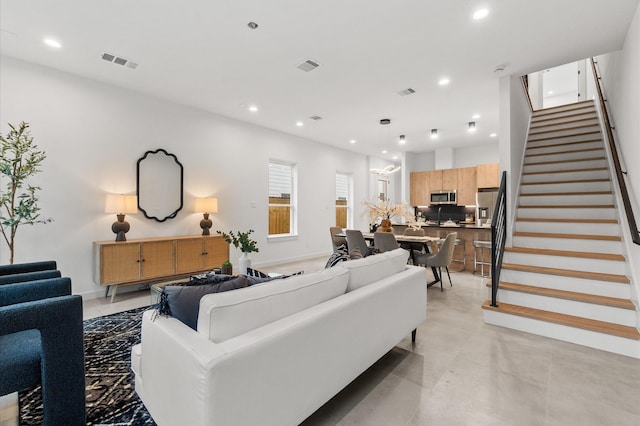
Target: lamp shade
x,y
206,205
118,203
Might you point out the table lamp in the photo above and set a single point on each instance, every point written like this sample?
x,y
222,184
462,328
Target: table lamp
x,y
121,205
206,206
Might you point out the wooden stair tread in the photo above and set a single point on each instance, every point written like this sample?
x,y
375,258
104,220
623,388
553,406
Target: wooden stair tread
x,y
598,276
574,113
571,151
548,138
553,145
594,299
570,160
536,194
570,206
574,106
567,236
568,320
581,126
544,219
561,123
592,169
566,253
555,182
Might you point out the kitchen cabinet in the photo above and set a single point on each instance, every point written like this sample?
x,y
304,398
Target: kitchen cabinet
x,y
419,189
488,175
449,179
466,186
155,259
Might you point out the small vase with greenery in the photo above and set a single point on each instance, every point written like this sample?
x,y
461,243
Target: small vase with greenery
x,y
241,240
226,268
20,159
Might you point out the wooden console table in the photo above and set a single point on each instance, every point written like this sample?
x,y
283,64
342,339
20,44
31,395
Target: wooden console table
x,y
155,259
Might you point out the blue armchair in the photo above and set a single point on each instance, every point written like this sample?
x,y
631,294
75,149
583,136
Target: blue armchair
x,y
41,342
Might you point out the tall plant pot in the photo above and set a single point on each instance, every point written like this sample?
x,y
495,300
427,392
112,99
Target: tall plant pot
x,y
244,262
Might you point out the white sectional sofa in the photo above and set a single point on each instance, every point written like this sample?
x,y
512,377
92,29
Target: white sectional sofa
x,y
273,353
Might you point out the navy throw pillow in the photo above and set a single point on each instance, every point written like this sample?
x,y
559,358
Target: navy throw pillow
x,y
183,301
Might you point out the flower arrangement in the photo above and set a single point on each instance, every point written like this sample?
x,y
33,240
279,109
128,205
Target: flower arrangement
x,y
385,210
240,240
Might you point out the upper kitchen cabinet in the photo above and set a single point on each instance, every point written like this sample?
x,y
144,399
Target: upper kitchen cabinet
x,y
449,179
466,186
488,175
419,188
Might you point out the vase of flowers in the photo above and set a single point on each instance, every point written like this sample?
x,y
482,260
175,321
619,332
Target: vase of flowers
x,y
242,241
381,212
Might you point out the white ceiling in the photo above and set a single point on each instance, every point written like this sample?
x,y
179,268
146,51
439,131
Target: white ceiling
x,y
202,54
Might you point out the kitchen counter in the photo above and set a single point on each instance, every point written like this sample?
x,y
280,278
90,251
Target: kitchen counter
x,y
468,232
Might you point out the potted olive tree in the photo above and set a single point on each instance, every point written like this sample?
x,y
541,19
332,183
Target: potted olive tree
x,y
20,159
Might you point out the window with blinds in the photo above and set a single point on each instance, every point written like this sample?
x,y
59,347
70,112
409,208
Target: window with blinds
x,y
281,198
343,200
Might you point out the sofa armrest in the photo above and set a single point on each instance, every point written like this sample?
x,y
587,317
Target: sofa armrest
x,y
20,268
34,290
29,276
176,366
59,320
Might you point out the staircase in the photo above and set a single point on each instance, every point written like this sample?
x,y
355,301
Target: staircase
x,y
564,277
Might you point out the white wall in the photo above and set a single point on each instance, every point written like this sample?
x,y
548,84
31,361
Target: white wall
x,y
93,135
473,155
514,122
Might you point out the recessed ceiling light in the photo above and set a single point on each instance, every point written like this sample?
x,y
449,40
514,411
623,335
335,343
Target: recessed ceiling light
x,y
475,116
550,92
384,151
395,157
299,123
52,43
444,81
480,14
253,108
493,135
352,141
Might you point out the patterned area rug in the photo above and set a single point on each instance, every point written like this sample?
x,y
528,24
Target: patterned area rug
x,y
111,398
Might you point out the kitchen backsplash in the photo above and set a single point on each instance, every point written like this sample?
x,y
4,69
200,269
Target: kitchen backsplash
x,y
455,213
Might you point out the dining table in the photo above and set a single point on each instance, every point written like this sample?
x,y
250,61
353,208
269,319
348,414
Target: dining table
x,y
420,239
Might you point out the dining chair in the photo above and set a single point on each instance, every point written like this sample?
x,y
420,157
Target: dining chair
x,y
335,240
417,247
441,259
355,240
384,241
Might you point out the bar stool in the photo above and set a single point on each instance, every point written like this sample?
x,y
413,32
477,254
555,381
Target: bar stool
x,y
458,242
481,246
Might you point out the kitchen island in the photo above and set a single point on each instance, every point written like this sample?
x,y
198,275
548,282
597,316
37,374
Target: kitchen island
x,y
467,231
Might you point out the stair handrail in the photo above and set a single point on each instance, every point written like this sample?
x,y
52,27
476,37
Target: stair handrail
x,y
633,227
498,237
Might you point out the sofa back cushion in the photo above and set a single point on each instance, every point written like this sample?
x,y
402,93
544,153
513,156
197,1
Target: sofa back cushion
x,y
226,315
374,268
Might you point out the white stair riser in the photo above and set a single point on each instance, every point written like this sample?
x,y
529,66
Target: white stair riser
x,y
540,141
566,200
539,134
565,118
567,213
577,228
604,185
561,167
596,246
550,148
569,307
566,156
578,285
605,342
547,126
565,177
565,262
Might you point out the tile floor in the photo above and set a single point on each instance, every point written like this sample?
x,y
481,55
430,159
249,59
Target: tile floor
x,y
464,372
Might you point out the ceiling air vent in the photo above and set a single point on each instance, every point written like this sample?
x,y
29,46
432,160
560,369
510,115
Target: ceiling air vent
x,y
308,65
119,60
316,117
406,92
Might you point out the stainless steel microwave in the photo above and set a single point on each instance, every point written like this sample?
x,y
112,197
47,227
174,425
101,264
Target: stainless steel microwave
x,y
444,196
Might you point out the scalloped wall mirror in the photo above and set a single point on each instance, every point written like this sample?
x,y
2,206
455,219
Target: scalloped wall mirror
x,y
159,177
